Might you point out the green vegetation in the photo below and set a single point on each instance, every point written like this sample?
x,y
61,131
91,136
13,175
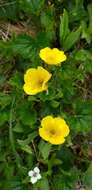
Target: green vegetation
x,y
26,27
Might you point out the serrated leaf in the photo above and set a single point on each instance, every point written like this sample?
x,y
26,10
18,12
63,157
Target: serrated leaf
x,y
88,67
83,119
48,22
4,117
55,103
32,6
30,137
5,100
24,147
18,128
83,55
9,9
71,39
14,184
23,45
60,183
43,184
16,80
44,149
27,115
88,177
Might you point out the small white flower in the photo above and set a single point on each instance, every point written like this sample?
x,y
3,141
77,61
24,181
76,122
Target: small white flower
x,y
35,175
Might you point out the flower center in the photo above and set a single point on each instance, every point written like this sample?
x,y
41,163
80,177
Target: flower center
x,y
40,82
52,132
34,174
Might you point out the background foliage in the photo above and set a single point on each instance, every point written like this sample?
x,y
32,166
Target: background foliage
x,y
26,26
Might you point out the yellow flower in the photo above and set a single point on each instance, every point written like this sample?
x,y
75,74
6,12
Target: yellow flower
x,y
36,80
52,56
53,130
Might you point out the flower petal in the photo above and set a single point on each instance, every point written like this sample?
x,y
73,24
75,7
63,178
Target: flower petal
x,y
30,91
60,56
44,52
30,173
43,134
46,121
44,74
39,176
33,180
61,124
56,141
30,73
36,169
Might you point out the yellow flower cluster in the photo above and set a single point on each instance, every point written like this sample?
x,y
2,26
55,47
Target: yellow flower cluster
x,y
53,130
36,79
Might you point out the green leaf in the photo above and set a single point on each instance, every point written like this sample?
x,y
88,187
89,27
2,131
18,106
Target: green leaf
x,y
5,100
82,121
55,103
83,55
24,147
14,184
88,66
23,45
64,29
32,6
16,80
30,137
48,22
9,9
4,117
85,32
44,149
90,14
60,183
18,128
71,39
27,114
43,184
88,177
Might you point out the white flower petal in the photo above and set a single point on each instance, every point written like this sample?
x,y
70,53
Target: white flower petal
x,y
36,169
30,173
33,180
39,176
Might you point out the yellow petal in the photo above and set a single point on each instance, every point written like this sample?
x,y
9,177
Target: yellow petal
x,y
43,53
56,141
32,91
43,134
47,121
44,74
30,73
61,124
28,90
60,56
